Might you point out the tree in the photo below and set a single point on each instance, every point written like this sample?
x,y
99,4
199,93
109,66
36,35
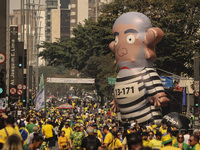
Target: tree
x,y
101,68
179,19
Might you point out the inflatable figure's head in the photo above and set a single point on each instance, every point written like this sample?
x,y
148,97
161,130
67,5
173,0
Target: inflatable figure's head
x,y
135,40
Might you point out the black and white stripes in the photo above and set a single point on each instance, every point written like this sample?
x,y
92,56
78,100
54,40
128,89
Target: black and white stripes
x,y
132,91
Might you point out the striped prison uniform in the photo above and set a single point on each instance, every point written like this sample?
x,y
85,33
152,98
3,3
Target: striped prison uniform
x,y
132,91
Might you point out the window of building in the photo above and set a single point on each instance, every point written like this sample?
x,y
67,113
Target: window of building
x,y
73,20
73,13
73,5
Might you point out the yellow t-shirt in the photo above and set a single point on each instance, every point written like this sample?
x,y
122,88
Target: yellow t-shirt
x,y
67,131
47,130
10,131
149,128
174,140
145,143
17,128
155,144
117,143
62,141
99,134
170,148
109,140
86,109
84,116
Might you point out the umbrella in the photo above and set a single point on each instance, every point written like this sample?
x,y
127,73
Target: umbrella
x,y
52,96
74,97
89,96
70,97
65,106
180,121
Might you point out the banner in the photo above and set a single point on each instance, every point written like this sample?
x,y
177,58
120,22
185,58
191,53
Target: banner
x,y
184,96
39,100
167,81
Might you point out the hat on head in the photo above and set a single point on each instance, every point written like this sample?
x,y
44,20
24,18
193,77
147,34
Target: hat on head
x,y
77,125
95,130
166,139
67,123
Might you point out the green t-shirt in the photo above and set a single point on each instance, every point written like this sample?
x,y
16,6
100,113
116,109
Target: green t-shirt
x,y
76,138
29,127
185,146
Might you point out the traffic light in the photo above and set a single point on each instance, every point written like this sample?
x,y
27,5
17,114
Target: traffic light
x,y
20,61
196,103
2,86
24,103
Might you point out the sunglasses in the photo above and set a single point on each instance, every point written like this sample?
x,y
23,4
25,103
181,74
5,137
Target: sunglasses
x,y
190,140
180,137
150,134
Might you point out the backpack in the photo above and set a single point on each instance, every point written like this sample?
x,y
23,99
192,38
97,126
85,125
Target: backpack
x,y
91,144
21,123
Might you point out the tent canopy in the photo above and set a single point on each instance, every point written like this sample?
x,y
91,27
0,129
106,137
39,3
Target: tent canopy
x,y
65,106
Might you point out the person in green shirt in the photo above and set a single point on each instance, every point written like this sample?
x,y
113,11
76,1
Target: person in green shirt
x,y
180,143
30,126
76,137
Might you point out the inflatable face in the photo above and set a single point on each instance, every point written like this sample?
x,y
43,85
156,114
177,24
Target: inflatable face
x,y
138,91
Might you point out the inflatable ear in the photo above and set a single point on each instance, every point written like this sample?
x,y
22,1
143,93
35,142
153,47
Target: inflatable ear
x,y
111,46
152,37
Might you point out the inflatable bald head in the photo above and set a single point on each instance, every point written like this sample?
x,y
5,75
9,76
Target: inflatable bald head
x,y
135,40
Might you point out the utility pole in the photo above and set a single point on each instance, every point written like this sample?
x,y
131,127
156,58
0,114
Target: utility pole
x,y
28,51
196,89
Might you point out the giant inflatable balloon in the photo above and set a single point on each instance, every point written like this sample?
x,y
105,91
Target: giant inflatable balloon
x,y
139,92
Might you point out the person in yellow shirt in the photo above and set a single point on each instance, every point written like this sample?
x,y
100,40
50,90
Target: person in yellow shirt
x,y
156,143
116,143
83,116
47,130
151,135
67,130
62,141
108,141
8,130
86,109
145,140
99,135
150,128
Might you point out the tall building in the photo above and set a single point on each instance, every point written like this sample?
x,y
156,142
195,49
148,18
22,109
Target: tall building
x,y
36,27
50,4
60,27
68,14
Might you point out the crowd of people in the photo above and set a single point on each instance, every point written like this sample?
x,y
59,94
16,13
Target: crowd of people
x,y
90,127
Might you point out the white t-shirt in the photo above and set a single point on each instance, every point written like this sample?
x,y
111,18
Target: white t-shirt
x,y
186,138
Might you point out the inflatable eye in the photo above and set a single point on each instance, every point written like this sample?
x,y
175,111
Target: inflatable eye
x,y
130,39
116,40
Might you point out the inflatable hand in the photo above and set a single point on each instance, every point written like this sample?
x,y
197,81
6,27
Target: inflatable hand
x,y
114,107
159,99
